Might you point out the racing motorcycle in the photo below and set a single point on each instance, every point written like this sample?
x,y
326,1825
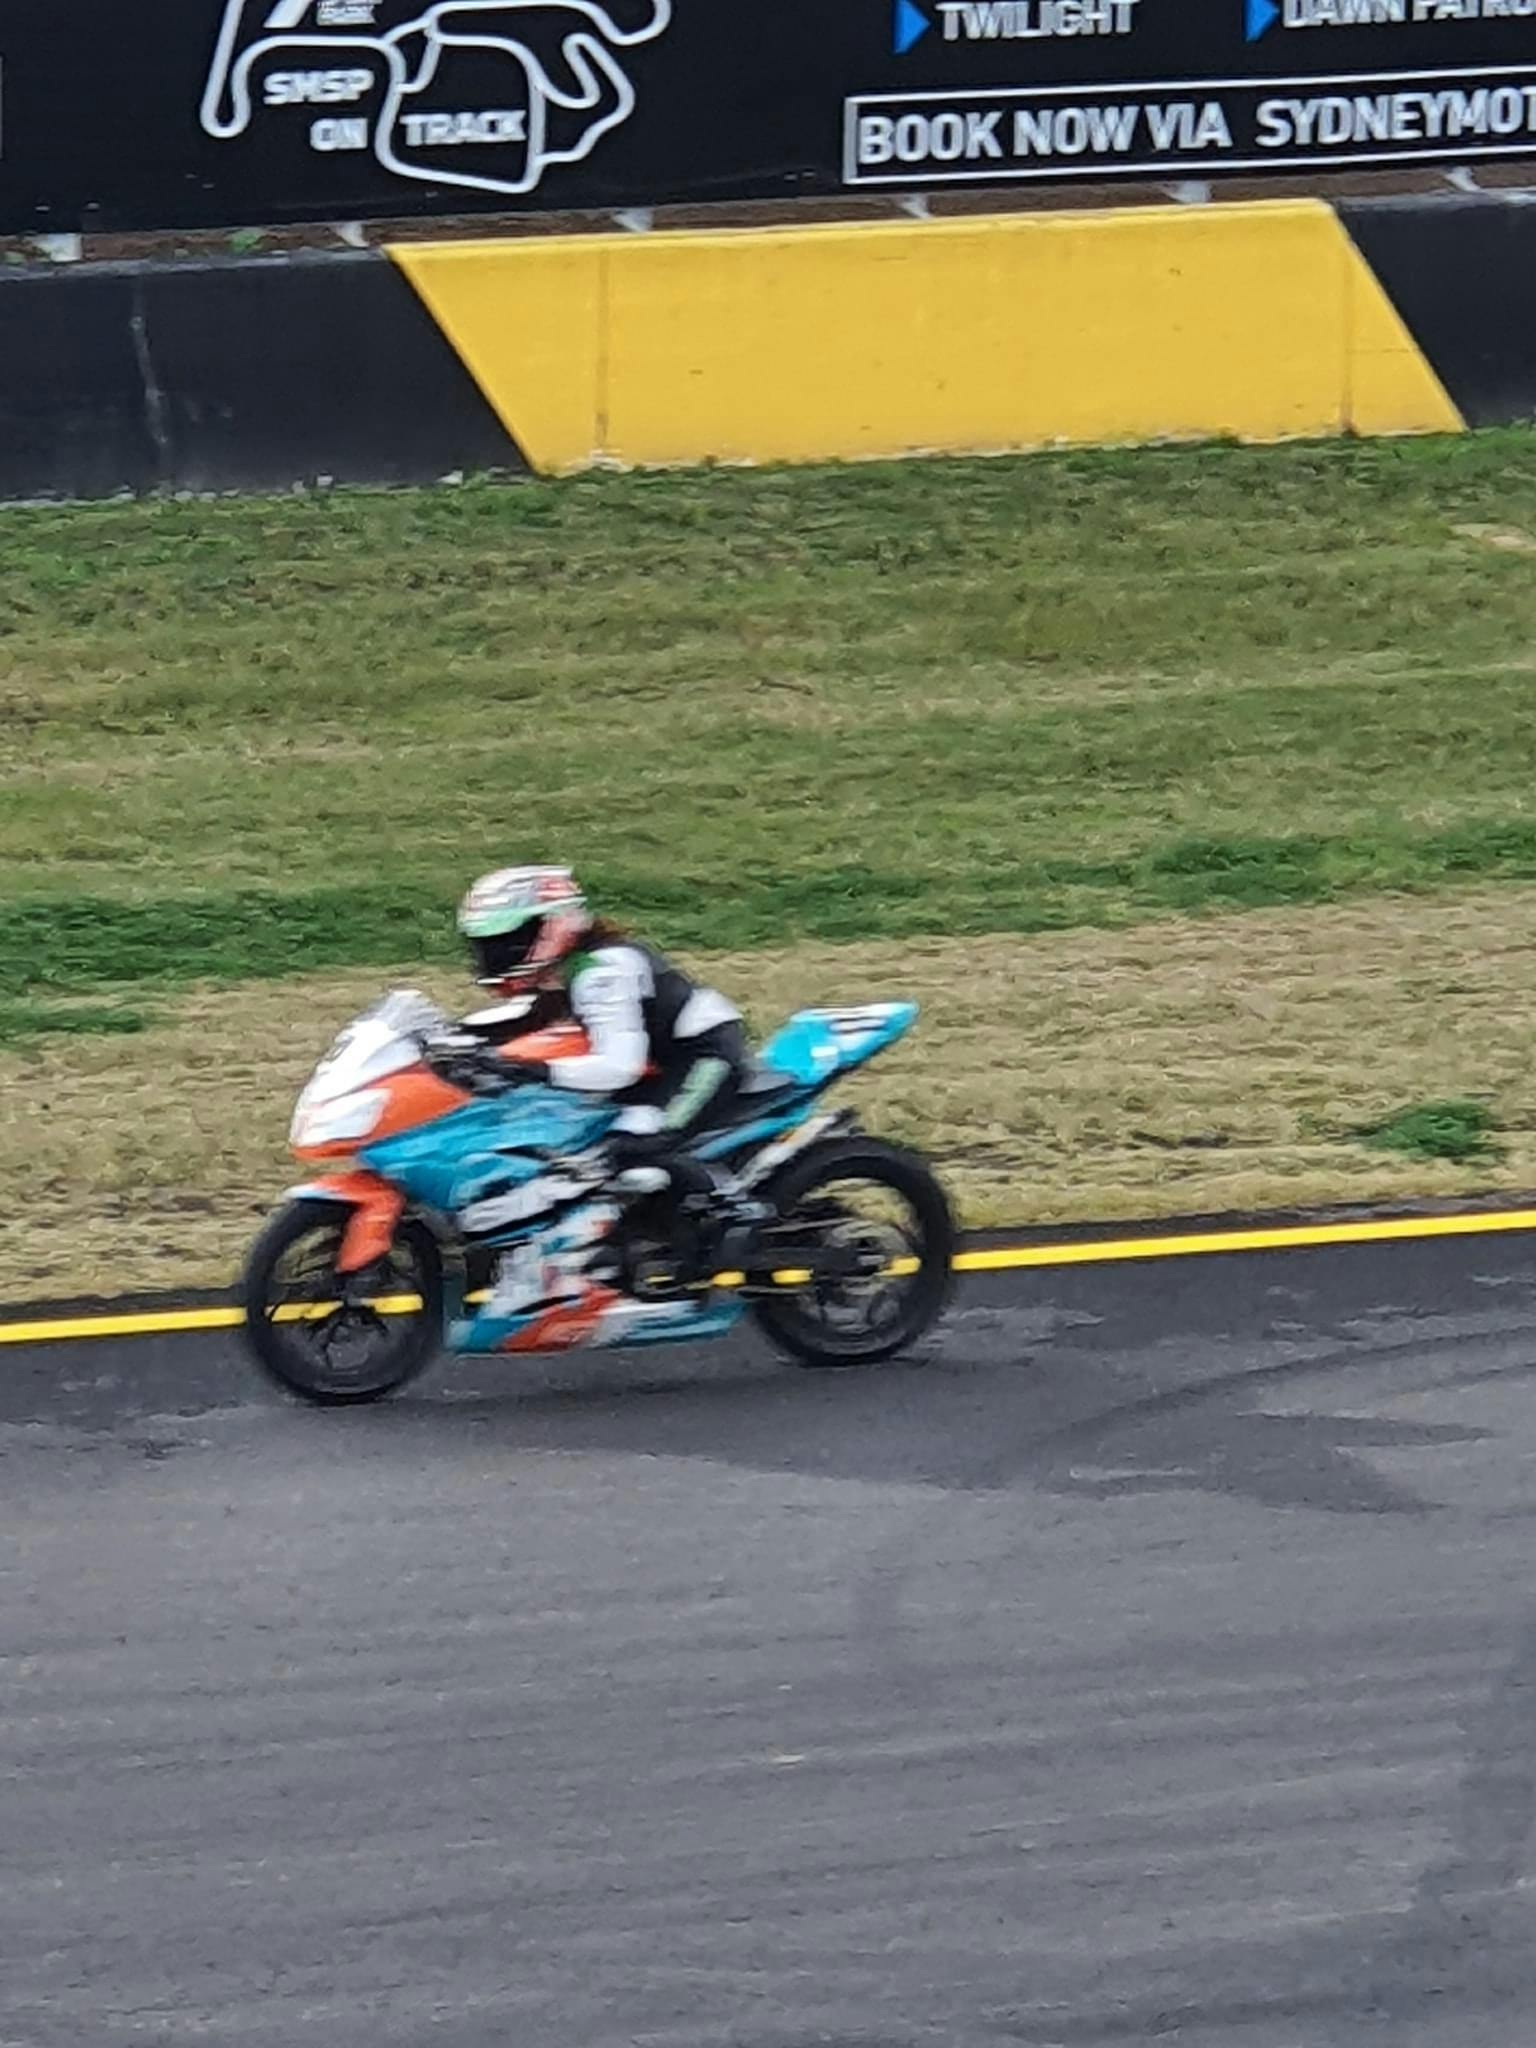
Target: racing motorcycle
x,y
429,1195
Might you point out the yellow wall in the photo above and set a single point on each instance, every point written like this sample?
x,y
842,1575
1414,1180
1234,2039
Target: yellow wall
x,y
1258,321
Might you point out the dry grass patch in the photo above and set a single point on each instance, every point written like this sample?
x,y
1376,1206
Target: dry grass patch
x,y
1182,1066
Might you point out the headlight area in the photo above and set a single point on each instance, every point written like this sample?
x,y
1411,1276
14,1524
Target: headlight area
x,y
341,1122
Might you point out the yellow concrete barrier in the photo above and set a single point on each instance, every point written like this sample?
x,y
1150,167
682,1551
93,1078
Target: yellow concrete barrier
x,y
1260,322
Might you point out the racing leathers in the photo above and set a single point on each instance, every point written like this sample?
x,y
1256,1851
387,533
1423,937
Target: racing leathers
x,y
671,1053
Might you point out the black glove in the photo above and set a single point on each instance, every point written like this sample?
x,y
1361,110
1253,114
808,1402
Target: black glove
x,y
470,1064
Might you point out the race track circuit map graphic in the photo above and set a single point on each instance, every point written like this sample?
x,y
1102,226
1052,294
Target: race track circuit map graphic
x,y
484,94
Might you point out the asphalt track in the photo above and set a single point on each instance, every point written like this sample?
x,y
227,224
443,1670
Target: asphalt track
x,y
1157,1662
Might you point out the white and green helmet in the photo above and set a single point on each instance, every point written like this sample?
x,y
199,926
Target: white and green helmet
x,y
521,922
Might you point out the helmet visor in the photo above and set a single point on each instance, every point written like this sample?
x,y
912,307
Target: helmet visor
x,y
500,957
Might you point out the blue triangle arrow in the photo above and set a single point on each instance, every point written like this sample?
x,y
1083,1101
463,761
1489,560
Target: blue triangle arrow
x,y
1261,17
912,25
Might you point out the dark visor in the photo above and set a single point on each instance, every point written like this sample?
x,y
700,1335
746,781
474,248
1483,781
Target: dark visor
x,y
497,957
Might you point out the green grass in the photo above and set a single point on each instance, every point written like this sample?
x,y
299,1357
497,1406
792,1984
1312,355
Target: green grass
x,y
248,739
1437,1130
82,942
20,1023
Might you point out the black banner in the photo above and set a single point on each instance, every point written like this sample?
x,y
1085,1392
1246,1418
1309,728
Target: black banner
x,y
1186,127
122,114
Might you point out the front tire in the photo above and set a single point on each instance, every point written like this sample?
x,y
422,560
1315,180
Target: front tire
x,y
823,1196
307,1336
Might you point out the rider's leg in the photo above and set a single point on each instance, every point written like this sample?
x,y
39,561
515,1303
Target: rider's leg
x,y
651,1136
695,1099
558,1265
694,1095
578,1217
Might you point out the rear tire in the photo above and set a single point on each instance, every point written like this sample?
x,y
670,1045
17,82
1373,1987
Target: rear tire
x,y
339,1355
821,1325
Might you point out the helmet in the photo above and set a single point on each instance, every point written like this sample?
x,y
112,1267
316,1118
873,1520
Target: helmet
x,y
521,922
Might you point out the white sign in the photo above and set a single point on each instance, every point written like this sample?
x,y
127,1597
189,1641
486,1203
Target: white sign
x,y
1394,13
485,94
1187,125
1023,21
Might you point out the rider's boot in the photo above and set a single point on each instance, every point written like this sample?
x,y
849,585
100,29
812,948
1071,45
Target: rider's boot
x,y
561,1267
721,1216
518,1283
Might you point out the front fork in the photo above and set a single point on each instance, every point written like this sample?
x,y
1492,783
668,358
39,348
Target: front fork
x,y
376,1207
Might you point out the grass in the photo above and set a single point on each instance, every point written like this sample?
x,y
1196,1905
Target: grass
x,y
985,729
21,1022
1184,1066
86,942
250,739
1437,1130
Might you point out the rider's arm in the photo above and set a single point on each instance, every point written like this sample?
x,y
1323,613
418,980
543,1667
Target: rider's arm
x,y
503,1023
608,998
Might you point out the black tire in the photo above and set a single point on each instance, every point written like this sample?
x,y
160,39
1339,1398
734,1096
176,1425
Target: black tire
x,y
797,1322
298,1355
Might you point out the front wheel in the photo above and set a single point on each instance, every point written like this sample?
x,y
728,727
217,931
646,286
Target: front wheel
x,y
329,1339
878,1226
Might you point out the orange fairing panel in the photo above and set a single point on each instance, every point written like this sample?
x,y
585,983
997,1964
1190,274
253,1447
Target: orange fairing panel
x,y
412,1098
416,1097
376,1211
567,1325
558,1042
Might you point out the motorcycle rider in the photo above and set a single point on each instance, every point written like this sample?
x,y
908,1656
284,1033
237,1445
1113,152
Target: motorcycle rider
x,y
670,1052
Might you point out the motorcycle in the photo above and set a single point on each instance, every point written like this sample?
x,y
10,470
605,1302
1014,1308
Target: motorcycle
x,y
430,1195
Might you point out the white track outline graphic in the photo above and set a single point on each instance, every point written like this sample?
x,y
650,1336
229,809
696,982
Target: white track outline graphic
x,y
227,108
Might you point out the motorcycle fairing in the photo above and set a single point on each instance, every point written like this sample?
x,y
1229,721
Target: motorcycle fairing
x,y
492,1154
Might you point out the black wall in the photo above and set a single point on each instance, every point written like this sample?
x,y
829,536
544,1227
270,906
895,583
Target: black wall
x,y
182,112
267,373
233,376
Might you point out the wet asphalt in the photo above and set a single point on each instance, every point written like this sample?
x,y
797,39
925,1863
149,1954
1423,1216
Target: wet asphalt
x,y
1155,1661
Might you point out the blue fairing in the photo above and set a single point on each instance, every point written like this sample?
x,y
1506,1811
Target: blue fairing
x,y
815,1046
444,1165
512,1138
813,1050
490,1148
748,1137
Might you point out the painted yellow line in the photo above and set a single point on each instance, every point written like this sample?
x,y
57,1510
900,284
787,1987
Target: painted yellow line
x,y
317,1311
163,1323
171,1322
1282,1237
1002,1259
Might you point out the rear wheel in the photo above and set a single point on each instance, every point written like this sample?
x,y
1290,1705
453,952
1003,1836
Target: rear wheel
x,y
880,1227
340,1341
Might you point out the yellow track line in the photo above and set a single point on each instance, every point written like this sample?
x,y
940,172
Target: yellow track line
x,y
1004,1259
159,1324
1279,1238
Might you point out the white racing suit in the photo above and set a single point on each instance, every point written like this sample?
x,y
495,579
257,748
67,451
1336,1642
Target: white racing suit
x,y
673,1055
